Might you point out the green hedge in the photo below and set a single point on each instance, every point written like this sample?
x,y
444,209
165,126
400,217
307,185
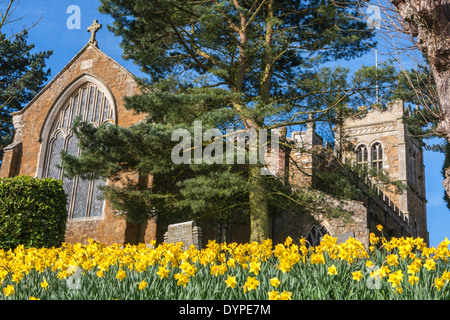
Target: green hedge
x,y
32,212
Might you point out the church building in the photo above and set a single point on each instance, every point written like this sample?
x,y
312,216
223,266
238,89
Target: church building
x,y
93,86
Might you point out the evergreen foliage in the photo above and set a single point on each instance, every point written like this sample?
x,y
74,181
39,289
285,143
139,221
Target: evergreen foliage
x,y
22,76
32,212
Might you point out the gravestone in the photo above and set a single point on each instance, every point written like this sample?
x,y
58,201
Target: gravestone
x,y
341,238
186,232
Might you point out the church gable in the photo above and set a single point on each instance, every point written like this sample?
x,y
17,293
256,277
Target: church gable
x,y
34,122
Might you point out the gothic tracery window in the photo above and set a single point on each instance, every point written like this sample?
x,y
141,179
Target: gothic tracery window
x,y
377,156
315,234
362,155
91,105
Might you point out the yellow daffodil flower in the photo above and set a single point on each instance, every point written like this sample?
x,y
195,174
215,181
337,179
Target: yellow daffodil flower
x,y
332,270
231,282
8,290
275,282
357,275
44,284
439,283
286,295
251,284
121,274
143,285
430,264
273,295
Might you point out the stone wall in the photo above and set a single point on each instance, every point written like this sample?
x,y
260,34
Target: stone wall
x,y
297,225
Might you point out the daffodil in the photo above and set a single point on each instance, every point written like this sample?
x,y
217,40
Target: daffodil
x,y
231,263
275,282
163,272
357,275
317,258
373,239
413,279
288,241
188,268
8,290
251,284
231,282
44,284
332,270
398,290
121,274
439,283
396,278
392,260
286,295
284,265
383,271
446,274
17,276
182,279
255,267
143,285
273,295
430,264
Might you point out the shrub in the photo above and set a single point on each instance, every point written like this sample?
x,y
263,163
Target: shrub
x,y
32,212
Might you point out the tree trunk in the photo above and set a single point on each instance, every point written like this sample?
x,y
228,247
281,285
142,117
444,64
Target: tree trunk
x,y
428,24
259,209
442,80
446,181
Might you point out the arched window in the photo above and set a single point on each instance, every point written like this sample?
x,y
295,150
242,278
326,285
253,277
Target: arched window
x,y
315,234
91,105
362,155
377,156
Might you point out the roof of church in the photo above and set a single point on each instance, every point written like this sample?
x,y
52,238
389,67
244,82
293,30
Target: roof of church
x,y
91,44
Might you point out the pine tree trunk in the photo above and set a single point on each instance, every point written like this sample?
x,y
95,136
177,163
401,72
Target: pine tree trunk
x,y
259,209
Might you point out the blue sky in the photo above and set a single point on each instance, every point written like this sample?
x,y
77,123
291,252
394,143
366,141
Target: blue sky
x,y
52,33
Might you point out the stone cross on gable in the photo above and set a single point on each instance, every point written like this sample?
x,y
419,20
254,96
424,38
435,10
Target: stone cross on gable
x,y
95,26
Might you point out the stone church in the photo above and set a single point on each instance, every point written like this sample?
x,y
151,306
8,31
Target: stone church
x,y
92,85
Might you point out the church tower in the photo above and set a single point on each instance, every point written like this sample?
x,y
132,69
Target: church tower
x,y
379,140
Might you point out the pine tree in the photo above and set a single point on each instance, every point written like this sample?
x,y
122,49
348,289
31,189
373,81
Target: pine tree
x,y
22,76
240,65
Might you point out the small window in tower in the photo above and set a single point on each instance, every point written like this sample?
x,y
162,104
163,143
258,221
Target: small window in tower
x,y
377,156
361,155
